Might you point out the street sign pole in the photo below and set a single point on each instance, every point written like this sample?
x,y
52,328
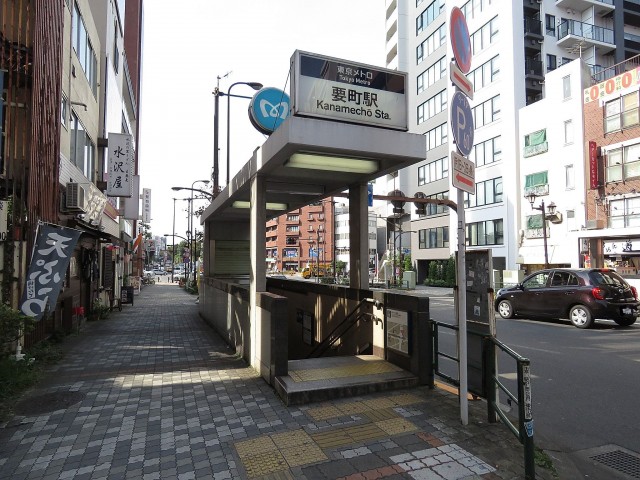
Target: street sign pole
x,y
464,173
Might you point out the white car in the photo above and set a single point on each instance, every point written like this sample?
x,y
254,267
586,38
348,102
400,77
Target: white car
x,y
148,273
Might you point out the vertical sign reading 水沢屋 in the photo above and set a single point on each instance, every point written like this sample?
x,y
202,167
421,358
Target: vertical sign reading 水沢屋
x,y
346,91
119,183
146,205
53,249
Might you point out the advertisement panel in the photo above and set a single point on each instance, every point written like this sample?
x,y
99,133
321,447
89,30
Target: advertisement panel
x,y
346,91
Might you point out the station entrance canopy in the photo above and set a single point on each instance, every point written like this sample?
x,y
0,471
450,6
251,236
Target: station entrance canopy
x,y
308,159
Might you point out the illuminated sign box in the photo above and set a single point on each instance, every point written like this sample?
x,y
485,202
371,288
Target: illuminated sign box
x,y
341,90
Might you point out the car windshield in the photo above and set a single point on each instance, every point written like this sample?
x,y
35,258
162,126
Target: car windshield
x,y
607,277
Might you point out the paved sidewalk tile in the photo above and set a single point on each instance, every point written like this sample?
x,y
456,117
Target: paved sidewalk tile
x,y
159,395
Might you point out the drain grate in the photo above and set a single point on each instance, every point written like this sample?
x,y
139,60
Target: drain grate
x,y
620,461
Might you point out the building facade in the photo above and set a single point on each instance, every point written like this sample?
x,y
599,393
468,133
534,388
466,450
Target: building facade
x,y
64,89
515,45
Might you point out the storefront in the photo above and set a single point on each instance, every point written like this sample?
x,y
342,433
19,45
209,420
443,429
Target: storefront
x,y
603,249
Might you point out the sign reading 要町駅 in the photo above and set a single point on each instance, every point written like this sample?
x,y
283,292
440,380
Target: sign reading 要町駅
x,y
346,91
119,183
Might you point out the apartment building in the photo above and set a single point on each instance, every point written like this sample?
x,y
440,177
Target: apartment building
x,y
301,237
514,45
64,90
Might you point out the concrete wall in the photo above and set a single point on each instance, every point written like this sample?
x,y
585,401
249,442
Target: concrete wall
x,y
225,306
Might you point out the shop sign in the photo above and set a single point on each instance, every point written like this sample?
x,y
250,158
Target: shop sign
x,y
617,85
342,90
4,212
621,246
119,183
593,165
52,252
146,205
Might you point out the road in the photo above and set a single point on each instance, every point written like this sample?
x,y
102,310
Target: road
x,y
585,386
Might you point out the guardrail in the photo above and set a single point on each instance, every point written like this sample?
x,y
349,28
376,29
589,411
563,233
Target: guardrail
x,y
492,385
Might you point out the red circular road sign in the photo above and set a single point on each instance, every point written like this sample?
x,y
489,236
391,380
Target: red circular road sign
x,y
460,41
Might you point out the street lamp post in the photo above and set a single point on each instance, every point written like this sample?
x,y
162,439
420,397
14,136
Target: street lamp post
x,y
190,219
173,248
549,211
255,86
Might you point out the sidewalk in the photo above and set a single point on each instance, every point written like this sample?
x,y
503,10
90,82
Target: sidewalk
x,y
153,393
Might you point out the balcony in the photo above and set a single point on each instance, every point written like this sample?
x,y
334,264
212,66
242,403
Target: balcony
x,y
533,69
602,7
572,33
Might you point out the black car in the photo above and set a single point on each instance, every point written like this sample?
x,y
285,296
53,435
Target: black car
x,y
581,295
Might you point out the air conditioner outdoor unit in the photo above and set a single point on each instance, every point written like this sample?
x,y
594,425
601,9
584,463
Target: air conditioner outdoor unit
x,y
76,197
595,224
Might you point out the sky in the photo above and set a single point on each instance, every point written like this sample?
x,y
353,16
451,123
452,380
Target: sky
x,y
188,44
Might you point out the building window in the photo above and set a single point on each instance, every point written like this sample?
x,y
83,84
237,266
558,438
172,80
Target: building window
x,y
550,24
292,228
432,106
621,112
535,143
431,43
436,136
291,240
432,209
486,152
489,232
433,238
569,177
485,74
566,87
63,111
552,62
485,35
293,218
486,112
624,213
428,15
475,7
433,171
537,183
83,151
116,51
623,163
487,193
84,49
568,132
431,75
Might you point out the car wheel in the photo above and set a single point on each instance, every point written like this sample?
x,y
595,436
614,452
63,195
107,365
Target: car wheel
x,y
580,316
626,321
505,309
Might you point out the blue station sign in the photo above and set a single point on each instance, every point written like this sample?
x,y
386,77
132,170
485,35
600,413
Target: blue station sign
x,y
269,107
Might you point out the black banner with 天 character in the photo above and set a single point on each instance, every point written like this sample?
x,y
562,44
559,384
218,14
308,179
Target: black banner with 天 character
x,y
49,262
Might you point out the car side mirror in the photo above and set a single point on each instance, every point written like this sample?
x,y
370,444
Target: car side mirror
x,y
520,286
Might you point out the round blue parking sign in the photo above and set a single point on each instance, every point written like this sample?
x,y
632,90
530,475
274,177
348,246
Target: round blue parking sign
x,y
269,107
460,40
462,123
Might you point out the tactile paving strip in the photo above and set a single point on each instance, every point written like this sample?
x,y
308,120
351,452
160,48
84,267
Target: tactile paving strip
x,y
277,452
369,368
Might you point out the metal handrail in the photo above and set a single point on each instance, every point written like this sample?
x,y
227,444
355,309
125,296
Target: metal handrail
x,y
330,339
524,430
